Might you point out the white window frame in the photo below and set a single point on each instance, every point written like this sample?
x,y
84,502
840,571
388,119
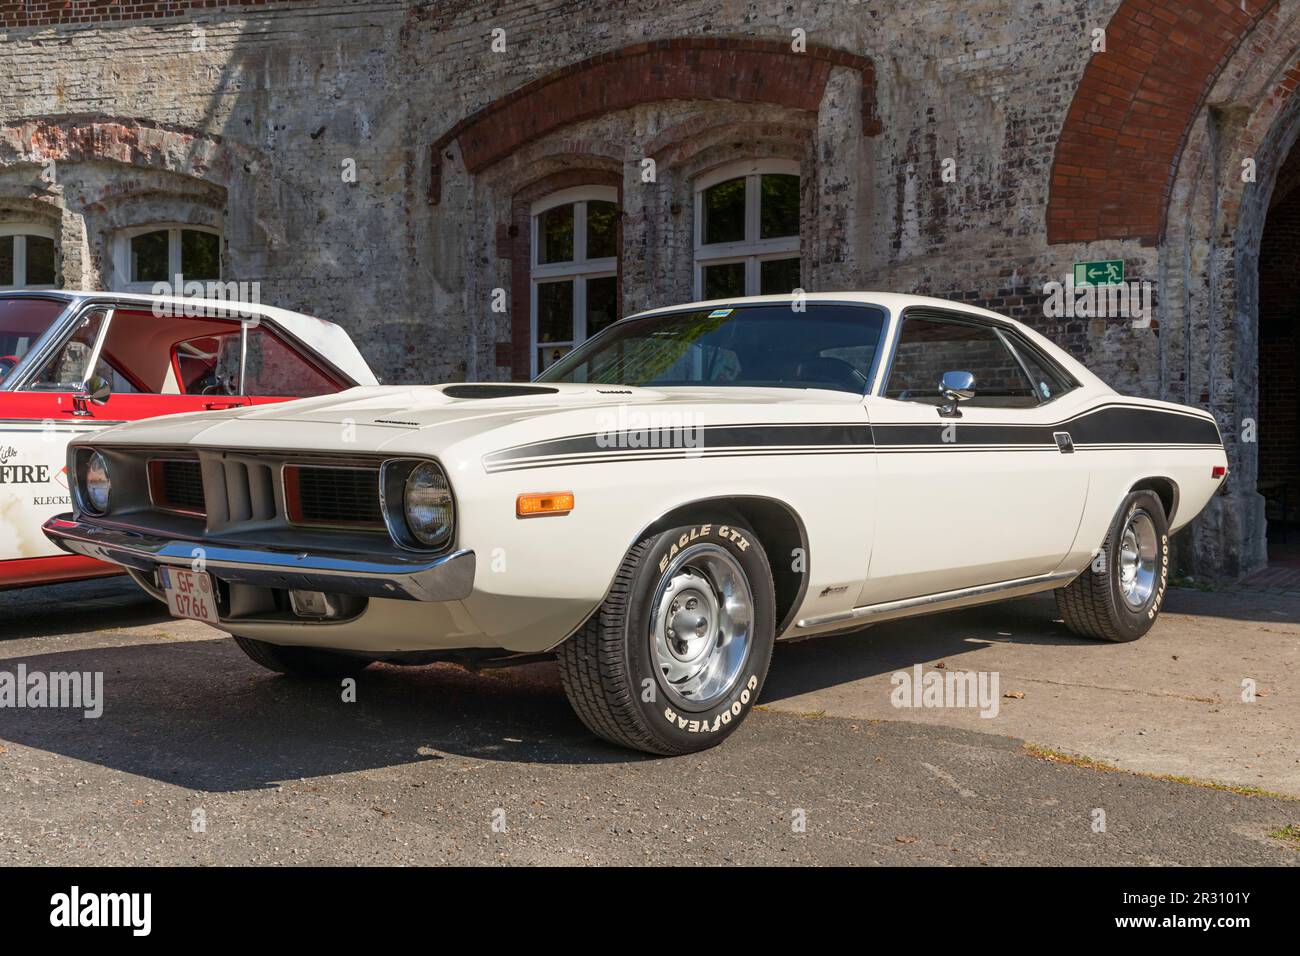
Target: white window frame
x,y
580,270
751,250
122,254
20,231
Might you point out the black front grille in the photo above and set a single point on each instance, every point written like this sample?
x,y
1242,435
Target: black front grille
x,y
336,496
177,485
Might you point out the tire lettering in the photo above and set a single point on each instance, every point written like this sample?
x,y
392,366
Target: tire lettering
x,y
721,719
702,531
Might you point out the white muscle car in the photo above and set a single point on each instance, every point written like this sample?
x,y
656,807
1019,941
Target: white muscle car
x,y
662,504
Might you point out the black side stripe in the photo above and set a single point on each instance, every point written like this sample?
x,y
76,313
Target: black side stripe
x,y
1109,426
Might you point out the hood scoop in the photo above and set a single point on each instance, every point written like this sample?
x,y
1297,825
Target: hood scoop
x,y
496,391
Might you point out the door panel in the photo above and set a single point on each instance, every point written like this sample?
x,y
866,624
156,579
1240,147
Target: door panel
x,y
985,498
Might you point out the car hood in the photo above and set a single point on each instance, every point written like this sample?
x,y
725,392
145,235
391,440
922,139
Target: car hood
x,y
381,415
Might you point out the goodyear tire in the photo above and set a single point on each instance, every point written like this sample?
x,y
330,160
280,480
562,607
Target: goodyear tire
x,y
1118,597
675,658
302,661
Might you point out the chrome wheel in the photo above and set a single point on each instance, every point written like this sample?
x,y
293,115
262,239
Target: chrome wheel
x,y
1137,560
701,625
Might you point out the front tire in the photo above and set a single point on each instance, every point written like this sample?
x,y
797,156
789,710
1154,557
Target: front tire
x,y
302,661
676,656
1118,597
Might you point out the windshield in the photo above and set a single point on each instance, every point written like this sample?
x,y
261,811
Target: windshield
x,y
22,323
757,346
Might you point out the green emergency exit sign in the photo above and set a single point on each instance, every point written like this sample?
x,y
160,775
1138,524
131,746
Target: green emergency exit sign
x,y
1105,272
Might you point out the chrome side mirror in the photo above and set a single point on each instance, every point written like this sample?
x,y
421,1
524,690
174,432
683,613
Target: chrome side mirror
x,y
955,387
97,389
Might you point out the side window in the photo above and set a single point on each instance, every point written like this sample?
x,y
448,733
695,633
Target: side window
x,y
209,365
929,347
68,368
1048,380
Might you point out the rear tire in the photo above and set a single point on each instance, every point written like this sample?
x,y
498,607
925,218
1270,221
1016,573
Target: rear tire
x,y
302,661
676,656
1118,597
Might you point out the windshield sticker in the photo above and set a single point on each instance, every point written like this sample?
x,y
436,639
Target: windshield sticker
x,y
720,313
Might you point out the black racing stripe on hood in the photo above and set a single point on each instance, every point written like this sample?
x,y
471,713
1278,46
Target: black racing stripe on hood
x,y
711,436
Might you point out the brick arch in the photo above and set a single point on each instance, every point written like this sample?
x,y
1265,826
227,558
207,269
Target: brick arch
x,y
1117,154
135,142
687,68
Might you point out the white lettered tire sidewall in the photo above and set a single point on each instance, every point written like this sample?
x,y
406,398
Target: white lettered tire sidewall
x,y
1134,622
681,728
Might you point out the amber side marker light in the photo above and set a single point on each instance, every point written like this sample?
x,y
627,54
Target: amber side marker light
x,y
544,503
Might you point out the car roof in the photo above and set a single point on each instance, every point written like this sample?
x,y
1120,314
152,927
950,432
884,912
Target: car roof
x,y
895,303
328,339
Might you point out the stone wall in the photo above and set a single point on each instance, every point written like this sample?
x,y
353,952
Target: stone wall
x,y
965,148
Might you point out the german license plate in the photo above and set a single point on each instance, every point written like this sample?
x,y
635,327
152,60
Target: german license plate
x,y
189,594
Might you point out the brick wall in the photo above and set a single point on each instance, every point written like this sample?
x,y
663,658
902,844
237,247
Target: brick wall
x,y
1128,121
44,13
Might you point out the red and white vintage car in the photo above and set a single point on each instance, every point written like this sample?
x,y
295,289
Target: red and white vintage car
x,y
74,363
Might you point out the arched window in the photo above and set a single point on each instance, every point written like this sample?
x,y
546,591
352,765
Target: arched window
x,y
161,252
747,230
574,269
28,257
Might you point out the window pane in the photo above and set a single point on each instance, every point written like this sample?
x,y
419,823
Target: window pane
x,y
602,229
40,260
723,208
1048,381
555,311
555,235
755,345
550,355
67,369
6,260
778,276
22,322
200,255
273,368
779,206
601,305
929,347
726,281
149,257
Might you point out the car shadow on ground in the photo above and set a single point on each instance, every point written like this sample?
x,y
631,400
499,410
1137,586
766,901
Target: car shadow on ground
x,y
200,715
955,637
51,610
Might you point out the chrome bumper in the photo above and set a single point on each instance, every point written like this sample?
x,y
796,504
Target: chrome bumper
x,y
449,577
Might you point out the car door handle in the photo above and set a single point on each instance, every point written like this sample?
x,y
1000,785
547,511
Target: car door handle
x,y
1064,442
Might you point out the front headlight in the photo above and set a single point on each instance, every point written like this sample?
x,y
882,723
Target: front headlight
x,y
428,505
97,484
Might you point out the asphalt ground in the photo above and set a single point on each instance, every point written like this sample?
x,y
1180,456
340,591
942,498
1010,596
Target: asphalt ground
x,y
202,757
